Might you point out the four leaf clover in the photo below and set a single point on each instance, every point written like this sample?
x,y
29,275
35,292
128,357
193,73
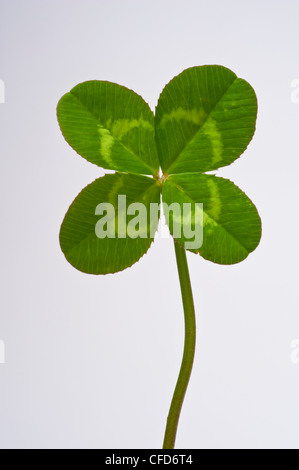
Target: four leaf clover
x,y
204,120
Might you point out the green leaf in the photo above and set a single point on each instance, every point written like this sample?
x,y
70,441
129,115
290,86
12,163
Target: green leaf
x,y
230,221
87,219
205,119
110,126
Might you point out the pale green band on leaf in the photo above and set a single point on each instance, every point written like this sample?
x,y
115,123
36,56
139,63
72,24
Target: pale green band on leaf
x,y
121,127
106,143
211,130
193,116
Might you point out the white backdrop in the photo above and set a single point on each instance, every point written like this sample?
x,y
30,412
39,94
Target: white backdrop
x,y
91,361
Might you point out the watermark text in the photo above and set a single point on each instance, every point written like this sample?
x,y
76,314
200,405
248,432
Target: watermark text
x,y
2,352
2,91
138,220
295,351
295,92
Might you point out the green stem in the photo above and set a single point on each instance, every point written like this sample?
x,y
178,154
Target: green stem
x,y
189,349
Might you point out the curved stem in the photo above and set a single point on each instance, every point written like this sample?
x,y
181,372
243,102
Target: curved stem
x,y
189,348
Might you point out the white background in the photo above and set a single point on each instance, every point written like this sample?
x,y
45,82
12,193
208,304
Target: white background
x,y
91,361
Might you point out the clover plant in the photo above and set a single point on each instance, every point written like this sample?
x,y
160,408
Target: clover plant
x,y
204,120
